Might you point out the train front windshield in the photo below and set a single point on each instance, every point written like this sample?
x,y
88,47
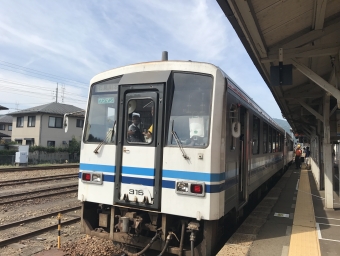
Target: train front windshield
x,y
102,112
189,120
191,110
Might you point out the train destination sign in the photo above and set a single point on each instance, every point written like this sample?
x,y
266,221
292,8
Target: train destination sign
x,y
106,100
106,87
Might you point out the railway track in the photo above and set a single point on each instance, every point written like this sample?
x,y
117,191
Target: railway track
x,y
37,179
34,168
41,193
6,228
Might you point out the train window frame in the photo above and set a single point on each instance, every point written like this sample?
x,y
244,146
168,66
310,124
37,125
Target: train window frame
x,y
270,139
274,140
256,135
105,90
233,115
169,137
265,137
153,123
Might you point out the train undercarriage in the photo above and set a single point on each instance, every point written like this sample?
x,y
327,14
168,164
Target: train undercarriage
x,y
129,227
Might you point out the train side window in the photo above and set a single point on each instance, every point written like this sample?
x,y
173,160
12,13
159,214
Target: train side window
x,y
274,140
265,138
270,140
256,134
233,116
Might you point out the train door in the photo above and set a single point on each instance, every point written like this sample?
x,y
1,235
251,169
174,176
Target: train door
x,y
243,170
139,151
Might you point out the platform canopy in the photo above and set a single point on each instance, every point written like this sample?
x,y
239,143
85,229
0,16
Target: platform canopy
x,y
308,32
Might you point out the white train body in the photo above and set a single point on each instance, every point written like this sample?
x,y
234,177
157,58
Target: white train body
x,y
205,149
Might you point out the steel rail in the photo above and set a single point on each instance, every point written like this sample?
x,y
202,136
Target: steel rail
x,y
36,191
35,232
37,179
27,220
39,196
36,168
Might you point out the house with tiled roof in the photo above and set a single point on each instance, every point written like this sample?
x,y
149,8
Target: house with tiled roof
x,y
43,125
5,126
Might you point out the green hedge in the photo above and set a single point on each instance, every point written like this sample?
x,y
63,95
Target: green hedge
x,y
5,152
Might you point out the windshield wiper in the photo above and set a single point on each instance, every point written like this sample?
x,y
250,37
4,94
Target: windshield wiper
x,y
110,133
179,143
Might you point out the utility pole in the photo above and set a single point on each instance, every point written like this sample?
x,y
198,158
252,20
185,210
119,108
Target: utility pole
x,y
56,95
62,93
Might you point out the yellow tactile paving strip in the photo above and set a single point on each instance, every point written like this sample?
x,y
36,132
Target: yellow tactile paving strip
x,y
304,239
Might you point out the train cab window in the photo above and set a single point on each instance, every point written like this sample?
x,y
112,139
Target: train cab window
x,y
270,139
190,110
102,112
265,138
256,134
140,122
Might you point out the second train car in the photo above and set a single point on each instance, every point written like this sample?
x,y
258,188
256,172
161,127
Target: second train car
x,y
170,149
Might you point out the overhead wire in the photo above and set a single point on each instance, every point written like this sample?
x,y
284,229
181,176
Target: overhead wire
x,y
40,73
38,87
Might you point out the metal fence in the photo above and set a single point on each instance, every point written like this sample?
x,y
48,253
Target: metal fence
x,y
7,160
42,159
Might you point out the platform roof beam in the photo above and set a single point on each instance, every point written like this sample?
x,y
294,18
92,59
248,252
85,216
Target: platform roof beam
x,y
315,113
306,38
316,79
319,16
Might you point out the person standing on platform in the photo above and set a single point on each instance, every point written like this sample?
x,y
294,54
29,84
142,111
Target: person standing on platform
x,y
298,153
307,155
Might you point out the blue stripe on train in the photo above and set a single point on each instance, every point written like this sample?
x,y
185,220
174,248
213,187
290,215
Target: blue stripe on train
x,y
97,167
139,181
213,188
138,171
208,177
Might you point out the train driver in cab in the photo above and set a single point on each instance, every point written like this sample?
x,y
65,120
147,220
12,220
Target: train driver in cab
x,y
134,133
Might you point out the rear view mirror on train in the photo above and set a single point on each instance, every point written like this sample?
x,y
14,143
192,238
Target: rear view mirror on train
x,y
236,129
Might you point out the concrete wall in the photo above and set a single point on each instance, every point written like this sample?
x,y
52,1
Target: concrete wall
x,y
58,157
25,131
58,134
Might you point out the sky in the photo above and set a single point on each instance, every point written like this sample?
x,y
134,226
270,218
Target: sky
x,y
45,44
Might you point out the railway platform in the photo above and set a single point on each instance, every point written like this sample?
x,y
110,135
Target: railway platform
x,y
290,220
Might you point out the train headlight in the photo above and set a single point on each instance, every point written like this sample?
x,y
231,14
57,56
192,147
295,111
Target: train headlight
x,y
96,177
182,187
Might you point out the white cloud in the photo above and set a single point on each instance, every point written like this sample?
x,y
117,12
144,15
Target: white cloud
x,y
78,39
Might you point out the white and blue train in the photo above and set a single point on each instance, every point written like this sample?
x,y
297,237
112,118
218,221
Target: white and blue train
x,y
170,149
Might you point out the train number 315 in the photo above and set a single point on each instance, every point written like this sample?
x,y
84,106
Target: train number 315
x,y
137,192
